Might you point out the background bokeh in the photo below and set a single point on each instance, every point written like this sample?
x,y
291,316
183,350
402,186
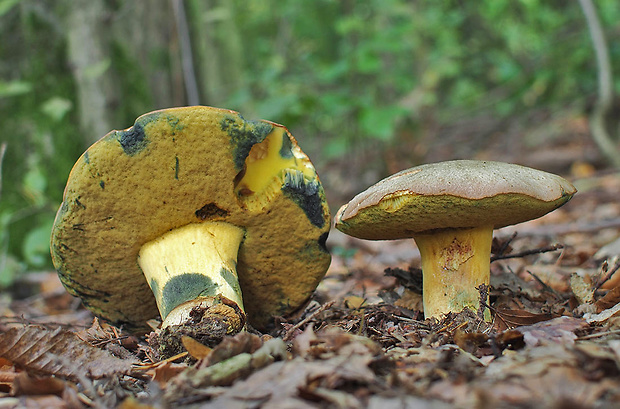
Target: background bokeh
x,y
367,87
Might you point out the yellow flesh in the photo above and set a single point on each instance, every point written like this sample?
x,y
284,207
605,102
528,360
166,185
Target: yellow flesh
x,y
198,252
264,165
454,263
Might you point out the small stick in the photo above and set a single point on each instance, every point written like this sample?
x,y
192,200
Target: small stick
x,y
289,333
507,243
545,285
527,252
608,276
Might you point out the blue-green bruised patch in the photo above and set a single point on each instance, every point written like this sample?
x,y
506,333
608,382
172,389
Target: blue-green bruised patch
x,y
175,123
306,194
132,140
231,279
183,288
244,134
286,151
154,286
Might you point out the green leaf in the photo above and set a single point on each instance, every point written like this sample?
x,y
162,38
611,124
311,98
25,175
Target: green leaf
x,y
56,108
36,245
34,185
379,122
14,88
96,70
7,5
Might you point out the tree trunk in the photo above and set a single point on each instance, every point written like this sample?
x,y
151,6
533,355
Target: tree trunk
x,y
89,58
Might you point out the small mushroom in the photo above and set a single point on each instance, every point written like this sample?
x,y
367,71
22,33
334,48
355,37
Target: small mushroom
x,y
192,210
450,209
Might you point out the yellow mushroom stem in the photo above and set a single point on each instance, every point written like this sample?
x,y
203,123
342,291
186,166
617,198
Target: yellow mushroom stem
x,y
454,263
193,266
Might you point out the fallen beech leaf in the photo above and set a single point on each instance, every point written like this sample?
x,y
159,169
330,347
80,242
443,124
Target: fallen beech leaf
x,y
226,372
609,300
517,318
58,352
165,371
469,341
25,384
243,342
195,348
603,316
303,342
556,331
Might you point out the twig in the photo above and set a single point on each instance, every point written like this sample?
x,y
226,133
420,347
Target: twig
x,y
600,334
545,285
608,276
187,59
502,250
2,152
527,252
310,317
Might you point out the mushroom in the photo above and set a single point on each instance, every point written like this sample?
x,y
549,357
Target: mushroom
x,y
192,211
450,209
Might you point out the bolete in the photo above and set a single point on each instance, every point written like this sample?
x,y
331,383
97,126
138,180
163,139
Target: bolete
x,y
192,210
450,209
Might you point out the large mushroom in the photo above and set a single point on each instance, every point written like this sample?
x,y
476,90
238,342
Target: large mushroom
x,y
192,210
450,209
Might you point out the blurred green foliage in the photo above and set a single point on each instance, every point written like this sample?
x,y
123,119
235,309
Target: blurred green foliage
x,y
340,72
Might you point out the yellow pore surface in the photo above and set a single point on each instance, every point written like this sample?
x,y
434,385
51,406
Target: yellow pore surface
x,y
267,161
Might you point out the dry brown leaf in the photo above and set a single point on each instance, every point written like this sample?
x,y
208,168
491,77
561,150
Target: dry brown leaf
x,y
58,352
226,372
195,348
582,289
25,384
165,371
303,341
560,330
39,402
609,300
243,342
516,318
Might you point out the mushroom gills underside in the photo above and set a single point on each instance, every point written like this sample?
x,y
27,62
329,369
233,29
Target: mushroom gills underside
x,y
192,263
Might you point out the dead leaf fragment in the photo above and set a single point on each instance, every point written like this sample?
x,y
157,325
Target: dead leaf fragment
x,y
58,352
609,300
243,342
515,318
584,291
195,348
25,384
561,330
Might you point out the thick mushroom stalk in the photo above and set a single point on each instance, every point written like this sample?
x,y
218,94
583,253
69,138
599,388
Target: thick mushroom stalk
x,y
195,266
455,263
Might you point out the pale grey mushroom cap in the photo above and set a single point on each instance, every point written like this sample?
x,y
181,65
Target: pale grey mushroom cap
x,y
452,194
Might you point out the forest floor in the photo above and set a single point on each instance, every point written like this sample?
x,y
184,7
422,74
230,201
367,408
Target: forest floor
x,y
362,341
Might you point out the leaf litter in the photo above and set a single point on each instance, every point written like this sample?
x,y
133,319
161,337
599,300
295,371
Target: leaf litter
x,y
362,341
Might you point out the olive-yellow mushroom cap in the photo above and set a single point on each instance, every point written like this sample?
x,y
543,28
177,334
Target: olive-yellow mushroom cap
x,y
183,166
452,194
